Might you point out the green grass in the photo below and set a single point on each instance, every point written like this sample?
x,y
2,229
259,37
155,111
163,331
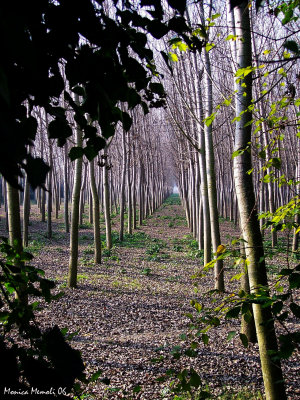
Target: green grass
x,y
172,200
227,394
135,240
270,251
81,277
85,237
88,250
36,245
86,225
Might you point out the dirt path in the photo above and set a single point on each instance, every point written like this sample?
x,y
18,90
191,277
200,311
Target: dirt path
x,y
131,309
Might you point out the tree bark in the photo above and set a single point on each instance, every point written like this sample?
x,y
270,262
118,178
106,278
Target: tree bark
x,y
73,261
272,374
15,235
122,191
66,190
96,214
211,176
26,211
106,201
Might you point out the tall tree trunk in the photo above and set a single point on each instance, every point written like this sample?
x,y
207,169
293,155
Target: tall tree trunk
x,y
66,189
141,193
26,211
203,181
15,235
122,190
247,325
134,222
129,196
73,261
96,214
272,374
106,201
211,176
82,195
49,193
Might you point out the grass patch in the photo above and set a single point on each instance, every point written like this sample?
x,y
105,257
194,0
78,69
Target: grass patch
x,y
136,240
173,200
36,245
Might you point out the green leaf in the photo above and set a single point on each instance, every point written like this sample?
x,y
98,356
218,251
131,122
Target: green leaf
x,y
126,121
157,88
292,46
209,120
195,380
157,29
95,376
76,152
190,353
262,154
137,389
244,339
233,312
209,46
237,153
4,315
227,102
231,335
276,162
205,338
237,277
231,37
285,272
173,57
248,316
277,307
287,17
78,90
198,306
295,309
294,280
90,152
59,129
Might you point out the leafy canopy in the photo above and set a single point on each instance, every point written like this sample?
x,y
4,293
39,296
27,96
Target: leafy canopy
x,y
103,55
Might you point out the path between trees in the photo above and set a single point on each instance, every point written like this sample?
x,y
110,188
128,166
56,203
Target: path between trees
x,y
131,309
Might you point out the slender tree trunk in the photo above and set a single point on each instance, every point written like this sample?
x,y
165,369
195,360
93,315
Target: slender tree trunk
x,y
26,211
247,325
141,194
106,201
122,191
96,214
271,369
43,194
211,176
82,196
49,193
73,262
66,190
15,235
129,200
203,184
134,222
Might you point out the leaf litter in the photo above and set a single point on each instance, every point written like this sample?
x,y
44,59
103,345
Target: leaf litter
x,y
129,312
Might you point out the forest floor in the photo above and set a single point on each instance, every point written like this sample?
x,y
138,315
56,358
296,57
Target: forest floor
x,y
131,310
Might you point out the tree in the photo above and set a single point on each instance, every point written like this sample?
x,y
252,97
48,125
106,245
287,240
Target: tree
x,y
101,70
122,190
96,214
73,262
266,336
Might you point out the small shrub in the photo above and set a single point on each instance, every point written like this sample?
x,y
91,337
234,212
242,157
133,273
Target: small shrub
x,y
146,271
